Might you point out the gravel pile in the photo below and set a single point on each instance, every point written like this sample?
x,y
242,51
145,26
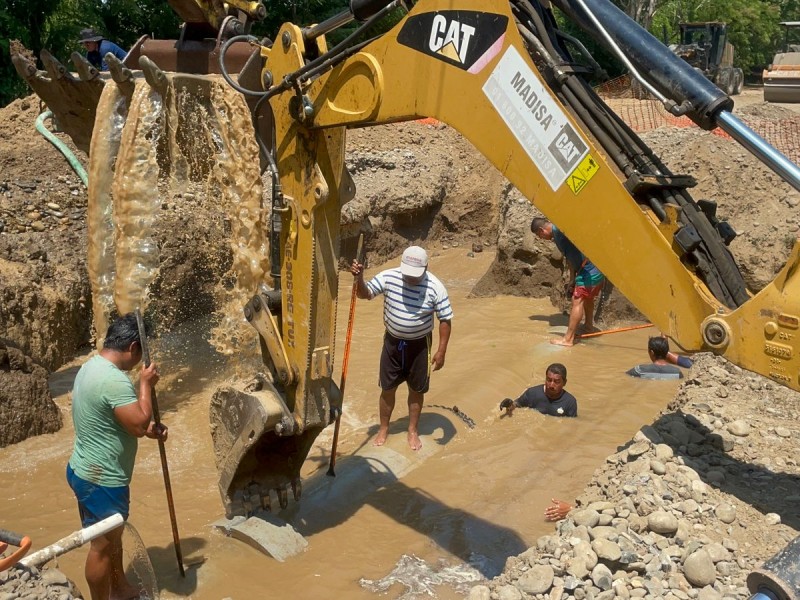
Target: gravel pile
x,y
48,584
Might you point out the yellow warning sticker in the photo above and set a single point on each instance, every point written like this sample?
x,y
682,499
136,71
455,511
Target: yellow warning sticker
x,y
578,179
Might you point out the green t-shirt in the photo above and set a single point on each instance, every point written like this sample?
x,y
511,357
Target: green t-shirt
x,y
104,452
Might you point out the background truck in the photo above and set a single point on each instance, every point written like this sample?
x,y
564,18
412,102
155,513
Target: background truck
x,y
705,46
782,77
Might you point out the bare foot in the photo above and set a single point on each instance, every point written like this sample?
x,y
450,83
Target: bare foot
x,y
561,342
413,440
380,439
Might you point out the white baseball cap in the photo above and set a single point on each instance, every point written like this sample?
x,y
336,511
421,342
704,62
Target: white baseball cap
x,y
414,261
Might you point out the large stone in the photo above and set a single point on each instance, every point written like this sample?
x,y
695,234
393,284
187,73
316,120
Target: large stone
x,y
602,577
606,550
662,522
725,512
739,428
509,592
664,452
699,569
587,517
480,592
537,580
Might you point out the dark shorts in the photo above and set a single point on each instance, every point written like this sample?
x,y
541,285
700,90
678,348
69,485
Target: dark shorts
x,y
406,360
97,502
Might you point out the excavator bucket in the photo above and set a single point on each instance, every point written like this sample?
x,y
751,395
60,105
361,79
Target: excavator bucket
x,y
73,96
257,458
168,115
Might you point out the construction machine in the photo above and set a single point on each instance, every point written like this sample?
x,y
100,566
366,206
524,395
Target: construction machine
x,y
503,74
782,77
706,48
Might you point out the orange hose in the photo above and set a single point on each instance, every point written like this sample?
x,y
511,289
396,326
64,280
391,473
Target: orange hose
x,y
618,330
10,561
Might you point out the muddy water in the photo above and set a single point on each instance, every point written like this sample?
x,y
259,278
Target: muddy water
x,y
471,496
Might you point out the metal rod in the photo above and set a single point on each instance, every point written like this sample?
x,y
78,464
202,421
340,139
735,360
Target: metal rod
x,y
346,360
328,25
760,148
161,448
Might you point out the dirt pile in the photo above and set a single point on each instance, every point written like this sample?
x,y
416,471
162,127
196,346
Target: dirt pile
x,y
687,509
26,407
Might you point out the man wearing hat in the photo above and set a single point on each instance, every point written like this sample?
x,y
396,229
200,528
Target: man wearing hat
x,y
411,297
97,48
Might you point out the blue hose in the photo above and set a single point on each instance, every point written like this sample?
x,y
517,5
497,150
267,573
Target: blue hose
x,y
71,158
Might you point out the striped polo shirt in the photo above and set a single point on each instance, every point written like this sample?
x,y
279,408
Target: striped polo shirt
x,y
408,309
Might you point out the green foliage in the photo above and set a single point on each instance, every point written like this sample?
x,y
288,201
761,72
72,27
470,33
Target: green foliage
x,y
54,24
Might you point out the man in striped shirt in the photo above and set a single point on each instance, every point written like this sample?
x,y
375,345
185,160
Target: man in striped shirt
x,y
412,296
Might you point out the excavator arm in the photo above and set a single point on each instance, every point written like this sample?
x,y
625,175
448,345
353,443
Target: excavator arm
x,y
473,65
501,74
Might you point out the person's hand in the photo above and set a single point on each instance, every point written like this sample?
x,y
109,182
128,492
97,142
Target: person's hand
x,y
508,405
150,375
157,432
438,360
357,269
557,510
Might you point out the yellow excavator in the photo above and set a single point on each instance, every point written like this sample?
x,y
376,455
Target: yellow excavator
x,y
504,75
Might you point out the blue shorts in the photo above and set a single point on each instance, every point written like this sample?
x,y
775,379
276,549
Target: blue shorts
x,y
97,502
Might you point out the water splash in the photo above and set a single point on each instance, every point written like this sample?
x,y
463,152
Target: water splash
x,y
419,578
111,112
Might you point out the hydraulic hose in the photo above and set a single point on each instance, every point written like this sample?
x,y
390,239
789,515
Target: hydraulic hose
x,y
62,147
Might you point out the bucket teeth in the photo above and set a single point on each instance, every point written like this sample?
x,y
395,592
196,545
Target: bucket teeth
x,y
283,496
154,76
54,68
121,75
266,502
25,68
86,71
72,100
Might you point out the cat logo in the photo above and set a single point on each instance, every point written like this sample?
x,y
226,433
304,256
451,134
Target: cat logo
x,y
463,38
450,39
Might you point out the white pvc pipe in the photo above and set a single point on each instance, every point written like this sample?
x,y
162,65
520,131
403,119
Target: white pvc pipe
x,y
72,541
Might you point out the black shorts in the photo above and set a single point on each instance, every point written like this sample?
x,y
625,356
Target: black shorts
x,y
406,360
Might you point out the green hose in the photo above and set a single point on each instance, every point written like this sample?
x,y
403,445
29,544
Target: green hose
x,y
71,158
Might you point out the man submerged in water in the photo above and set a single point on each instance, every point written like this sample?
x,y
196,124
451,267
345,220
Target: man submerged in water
x,y
663,362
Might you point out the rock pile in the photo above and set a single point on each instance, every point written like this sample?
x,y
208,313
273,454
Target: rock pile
x,y
685,510
29,583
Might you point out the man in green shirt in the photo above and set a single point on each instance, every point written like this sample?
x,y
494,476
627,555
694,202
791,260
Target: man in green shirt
x,y
109,418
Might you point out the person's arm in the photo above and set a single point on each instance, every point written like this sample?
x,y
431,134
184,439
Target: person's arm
x,y
437,361
677,359
362,291
136,417
557,510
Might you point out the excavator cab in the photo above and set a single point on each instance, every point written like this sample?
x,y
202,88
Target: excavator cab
x,y
782,77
